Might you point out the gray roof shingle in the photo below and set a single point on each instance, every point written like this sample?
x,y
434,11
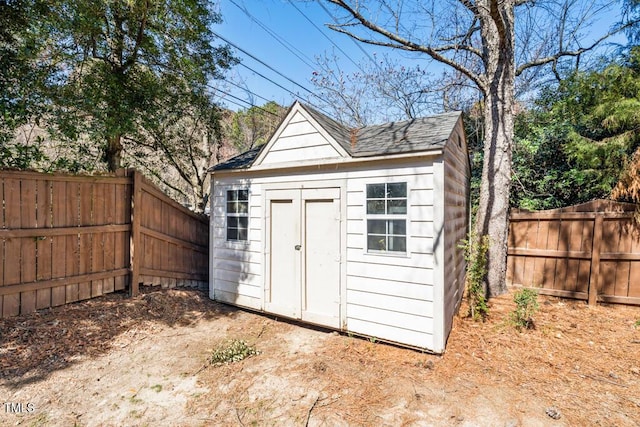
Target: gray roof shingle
x,y
421,134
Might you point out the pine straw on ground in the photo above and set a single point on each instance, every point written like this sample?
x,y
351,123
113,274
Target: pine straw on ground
x,y
585,360
37,343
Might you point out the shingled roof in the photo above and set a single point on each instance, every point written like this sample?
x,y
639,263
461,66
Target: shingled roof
x,y
421,134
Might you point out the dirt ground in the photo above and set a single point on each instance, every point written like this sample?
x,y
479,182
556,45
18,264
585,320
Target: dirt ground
x,y
118,361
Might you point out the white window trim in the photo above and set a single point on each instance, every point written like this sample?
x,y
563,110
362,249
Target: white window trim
x,y
404,217
236,242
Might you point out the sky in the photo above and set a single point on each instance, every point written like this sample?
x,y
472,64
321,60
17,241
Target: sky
x,y
262,28
300,25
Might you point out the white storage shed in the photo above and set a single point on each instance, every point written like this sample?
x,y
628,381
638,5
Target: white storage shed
x,y
352,229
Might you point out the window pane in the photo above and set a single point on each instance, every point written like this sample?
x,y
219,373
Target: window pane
x,y
232,234
375,207
397,206
376,243
243,207
232,221
243,222
232,207
398,244
242,234
376,226
243,194
232,195
375,191
398,227
397,189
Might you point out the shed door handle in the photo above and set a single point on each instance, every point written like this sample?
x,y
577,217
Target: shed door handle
x,y
298,247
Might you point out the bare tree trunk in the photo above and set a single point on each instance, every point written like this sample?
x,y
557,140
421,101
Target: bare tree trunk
x,y
493,213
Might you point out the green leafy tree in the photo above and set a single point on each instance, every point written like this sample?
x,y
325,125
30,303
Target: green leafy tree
x,y
121,63
22,78
578,142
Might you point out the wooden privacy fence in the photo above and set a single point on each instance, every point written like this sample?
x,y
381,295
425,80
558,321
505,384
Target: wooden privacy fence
x,y
67,238
589,251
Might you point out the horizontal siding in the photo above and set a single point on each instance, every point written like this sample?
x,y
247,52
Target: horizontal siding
x,y
422,261
390,287
456,190
251,246
422,245
390,302
238,267
235,288
242,300
302,127
238,277
299,141
389,271
386,332
301,154
397,319
238,256
355,241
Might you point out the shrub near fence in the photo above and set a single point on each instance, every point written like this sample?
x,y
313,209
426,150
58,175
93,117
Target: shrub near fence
x,y
589,251
67,238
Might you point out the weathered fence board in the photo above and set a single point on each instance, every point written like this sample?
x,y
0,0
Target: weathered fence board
x,y
589,251
173,241
67,238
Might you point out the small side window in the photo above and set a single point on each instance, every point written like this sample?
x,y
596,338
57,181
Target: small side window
x,y
238,215
387,217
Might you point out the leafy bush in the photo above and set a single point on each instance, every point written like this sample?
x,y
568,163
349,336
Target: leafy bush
x,y
526,306
476,249
232,351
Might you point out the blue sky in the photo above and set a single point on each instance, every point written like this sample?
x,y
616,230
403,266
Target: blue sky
x,y
283,19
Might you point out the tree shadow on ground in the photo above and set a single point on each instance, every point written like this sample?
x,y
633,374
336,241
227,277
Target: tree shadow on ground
x,y
33,346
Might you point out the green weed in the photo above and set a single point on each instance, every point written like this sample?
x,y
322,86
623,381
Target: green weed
x,y
526,306
475,249
232,351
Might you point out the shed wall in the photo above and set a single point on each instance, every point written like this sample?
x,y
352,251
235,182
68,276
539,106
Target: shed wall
x,y
457,176
386,296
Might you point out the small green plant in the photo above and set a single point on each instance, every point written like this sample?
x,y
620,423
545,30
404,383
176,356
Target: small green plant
x,y
526,306
157,388
637,324
475,249
232,351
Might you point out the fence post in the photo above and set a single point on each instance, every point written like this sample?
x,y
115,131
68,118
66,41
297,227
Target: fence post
x,y
594,278
136,212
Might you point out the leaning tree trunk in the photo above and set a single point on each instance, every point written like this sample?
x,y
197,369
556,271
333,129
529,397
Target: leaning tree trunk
x,y
497,21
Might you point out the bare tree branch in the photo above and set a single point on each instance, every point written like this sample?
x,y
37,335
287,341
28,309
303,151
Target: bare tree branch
x,y
405,44
572,53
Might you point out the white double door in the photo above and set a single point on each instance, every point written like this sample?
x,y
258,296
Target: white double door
x,y
303,254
